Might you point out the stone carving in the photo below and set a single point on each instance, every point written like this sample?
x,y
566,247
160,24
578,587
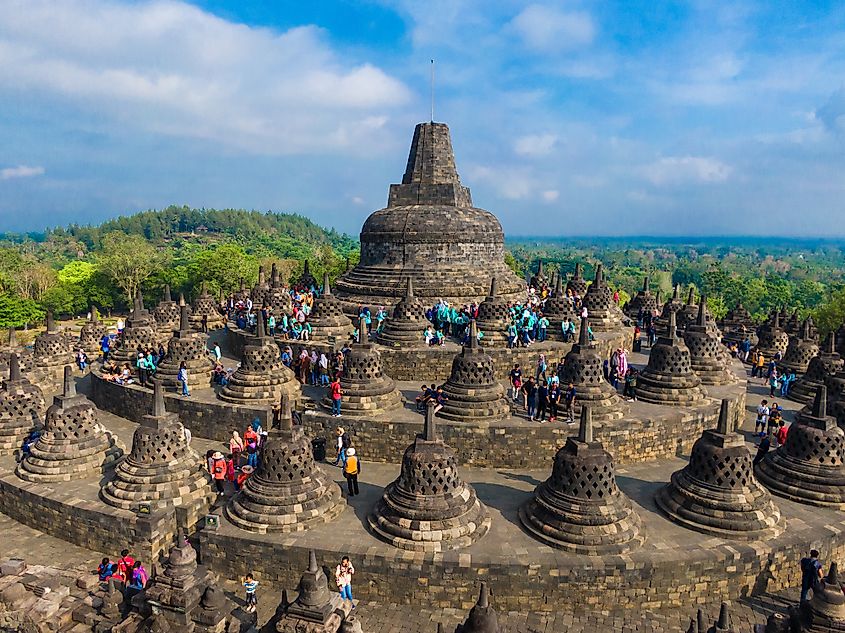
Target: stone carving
x,y
494,316
808,468
738,326
306,279
771,338
482,617
582,367
52,348
278,298
205,306
242,293
826,609
801,350
580,508
261,288
822,366
21,408
538,279
166,315
668,378
722,625
472,391
73,445
708,357
189,347
642,303
327,318
577,285
601,309
408,321
557,308
91,335
288,491
262,377
367,391
429,507
716,493
431,232
162,469
315,609
138,333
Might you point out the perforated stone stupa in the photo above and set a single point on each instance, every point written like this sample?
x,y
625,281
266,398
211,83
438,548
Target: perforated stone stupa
x,y
407,322
431,232
261,289
709,359
166,315
603,312
21,408
576,284
800,351
262,377
580,508
472,391
139,331
306,279
771,338
327,318
278,298
429,507
288,491
557,308
162,469
716,492
809,467
315,609
494,316
582,367
186,346
668,378
74,445
738,326
367,391
825,364
482,617
205,306
825,612
91,334
52,348
644,302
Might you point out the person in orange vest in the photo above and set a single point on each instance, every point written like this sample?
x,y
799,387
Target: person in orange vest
x,y
351,470
218,471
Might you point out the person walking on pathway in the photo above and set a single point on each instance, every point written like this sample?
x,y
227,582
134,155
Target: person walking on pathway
x,y
351,470
343,577
182,377
811,573
337,395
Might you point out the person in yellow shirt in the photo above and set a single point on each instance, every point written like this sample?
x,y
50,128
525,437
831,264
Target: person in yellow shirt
x,y
351,470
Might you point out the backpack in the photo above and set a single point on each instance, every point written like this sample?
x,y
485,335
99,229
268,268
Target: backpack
x,y
346,441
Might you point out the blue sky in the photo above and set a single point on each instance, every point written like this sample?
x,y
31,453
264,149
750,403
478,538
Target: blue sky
x,y
568,118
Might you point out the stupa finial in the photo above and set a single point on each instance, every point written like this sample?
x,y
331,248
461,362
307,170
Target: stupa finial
x,y
691,296
675,291
430,428
69,385
584,333
14,367
724,622
702,313
585,429
830,344
312,561
409,291
673,326
599,274
166,298
820,403
362,330
51,322
158,400
327,289
184,323
645,284
285,413
483,596
494,287
722,426
472,343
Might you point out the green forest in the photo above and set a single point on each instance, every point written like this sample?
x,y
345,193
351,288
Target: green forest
x,y
69,269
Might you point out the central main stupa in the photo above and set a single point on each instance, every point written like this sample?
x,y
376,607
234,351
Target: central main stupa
x,y
429,232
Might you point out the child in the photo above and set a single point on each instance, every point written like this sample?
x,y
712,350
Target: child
x,y
246,471
106,570
250,585
343,576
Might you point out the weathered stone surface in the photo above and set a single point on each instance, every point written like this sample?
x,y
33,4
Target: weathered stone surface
x,y
809,467
738,326
431,232
771,338
494,316
138,333
709,359
580,508
167,314
577,285
91,334
821,367
74,445
261,289
644,302
801,350
602,311
315,609
21,408
206,307
288,492
52,348
559,307
189,347
826,610
407,322
328,322
716,493
482,617
12,567
162,469
472,391
429,507
306,279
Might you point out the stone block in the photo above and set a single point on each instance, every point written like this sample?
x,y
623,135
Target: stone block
x,y
12,567
88,583
13,595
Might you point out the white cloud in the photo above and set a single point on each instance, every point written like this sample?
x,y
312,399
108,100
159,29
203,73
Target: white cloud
x,y
21,171
172,68
673,170
535,145
548,29
551,195
357,200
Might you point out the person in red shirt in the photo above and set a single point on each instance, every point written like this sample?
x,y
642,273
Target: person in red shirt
x,y
246,471
124,566
782,432
336,394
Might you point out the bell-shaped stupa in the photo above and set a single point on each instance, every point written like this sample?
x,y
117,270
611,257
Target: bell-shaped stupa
x,y
825,612
52,349
580,508
327,318
800,351
644,302
494,316
260,290
138,333
716,493
74,445
809,467
407,323
820,368
482,617
189,347
91,335
472,391
431,232
708,357
205,307
429,507
600,306
559,307
771,338
278,298
288,491
21,408
577,285
161,469
166,315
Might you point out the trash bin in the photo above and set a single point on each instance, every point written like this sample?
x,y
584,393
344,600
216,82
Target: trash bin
x,y
318,446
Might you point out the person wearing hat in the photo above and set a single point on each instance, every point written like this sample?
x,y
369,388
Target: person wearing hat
x,y
342,442
246,471
351,470
218,471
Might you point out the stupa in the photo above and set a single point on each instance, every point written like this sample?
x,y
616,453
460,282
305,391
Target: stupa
x,y
599,303
74,445
580,508
689,312
407,323
809,467
771,338
288,491
328,322
539,280
21,408
260,290
473,393
642,303
52,348
278,298
577,285
262,377
91,335
315,609
708,357
242,293
716,492
166,315
557,308
494,316
800,351
162,469
826,610
738,326
367,391
189,347
306,279
429,507
673,306
205,307
139,332
482,617
668,378
825,364
431,232
582,367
